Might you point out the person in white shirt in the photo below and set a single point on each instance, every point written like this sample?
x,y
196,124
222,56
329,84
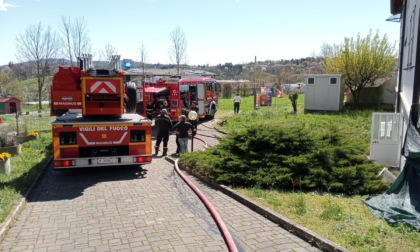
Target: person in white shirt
x,y
237,103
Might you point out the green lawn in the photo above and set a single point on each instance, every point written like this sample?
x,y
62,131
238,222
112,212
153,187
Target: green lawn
x,y
24,170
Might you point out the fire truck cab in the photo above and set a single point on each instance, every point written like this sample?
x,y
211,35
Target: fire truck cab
x,y
96,123
179,93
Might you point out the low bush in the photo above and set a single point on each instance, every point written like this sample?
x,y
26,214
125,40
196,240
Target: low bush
x,y
289,156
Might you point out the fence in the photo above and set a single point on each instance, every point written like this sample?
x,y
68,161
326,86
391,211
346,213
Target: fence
x,y
12,125
243,89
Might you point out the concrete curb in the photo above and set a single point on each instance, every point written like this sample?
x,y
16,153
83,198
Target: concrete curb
x,y
6,225
294,228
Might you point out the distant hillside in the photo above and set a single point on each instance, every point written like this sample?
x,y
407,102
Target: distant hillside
x,y
273,71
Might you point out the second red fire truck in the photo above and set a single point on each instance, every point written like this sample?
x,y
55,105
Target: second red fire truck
x,y
179,93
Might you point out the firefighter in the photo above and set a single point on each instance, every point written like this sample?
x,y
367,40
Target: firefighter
x,y
195,108
164,124
165,105
149,110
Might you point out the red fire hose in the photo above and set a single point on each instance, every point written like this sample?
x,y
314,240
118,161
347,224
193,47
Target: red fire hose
x,y
223,229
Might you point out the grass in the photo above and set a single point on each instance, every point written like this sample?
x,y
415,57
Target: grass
x,y
344,220
26,166
26,122
24,170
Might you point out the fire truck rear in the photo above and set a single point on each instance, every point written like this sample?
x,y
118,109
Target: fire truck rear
x,y
97,124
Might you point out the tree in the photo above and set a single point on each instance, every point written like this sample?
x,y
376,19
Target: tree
x,y
362,61
9,85
143,58
178,48
108,53
328,51
76,39
284,77
19,71
39,47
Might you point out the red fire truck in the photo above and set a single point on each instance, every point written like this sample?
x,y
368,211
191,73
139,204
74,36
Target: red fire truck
x,y
96,123
179,93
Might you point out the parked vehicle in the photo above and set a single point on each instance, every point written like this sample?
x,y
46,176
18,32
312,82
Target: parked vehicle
x,y
97,124
179,93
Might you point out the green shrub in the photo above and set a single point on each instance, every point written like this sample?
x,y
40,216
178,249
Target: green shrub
x,y
227,90
287,156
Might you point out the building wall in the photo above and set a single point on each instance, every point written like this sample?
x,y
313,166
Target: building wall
x,y
409,75
408,51
5,107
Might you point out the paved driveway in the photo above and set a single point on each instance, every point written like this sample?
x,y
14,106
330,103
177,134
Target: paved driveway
x,y
133,209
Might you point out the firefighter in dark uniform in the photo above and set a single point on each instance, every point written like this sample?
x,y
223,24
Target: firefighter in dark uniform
x,y
149,110
195,108
165,105
164,124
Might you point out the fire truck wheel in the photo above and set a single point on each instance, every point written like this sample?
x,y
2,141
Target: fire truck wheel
x,y
130,107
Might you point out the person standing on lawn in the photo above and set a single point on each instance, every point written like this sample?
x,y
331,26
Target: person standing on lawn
x,y
236,103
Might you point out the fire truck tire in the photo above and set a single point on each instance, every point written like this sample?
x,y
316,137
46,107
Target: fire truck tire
x,y
130,107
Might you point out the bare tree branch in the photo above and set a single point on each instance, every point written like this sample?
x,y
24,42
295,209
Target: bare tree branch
x,y
39,46
143,58
178,49
109,51
76,39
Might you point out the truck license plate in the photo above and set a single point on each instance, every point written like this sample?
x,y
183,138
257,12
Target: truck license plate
x,y
104,160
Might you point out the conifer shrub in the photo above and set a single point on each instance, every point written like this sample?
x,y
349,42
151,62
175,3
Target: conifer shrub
x,y
291,157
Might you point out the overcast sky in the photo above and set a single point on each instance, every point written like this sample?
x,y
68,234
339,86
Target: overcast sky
x,y
217,31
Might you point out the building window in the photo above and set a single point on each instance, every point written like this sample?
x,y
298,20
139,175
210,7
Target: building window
x,y
311,80
333,80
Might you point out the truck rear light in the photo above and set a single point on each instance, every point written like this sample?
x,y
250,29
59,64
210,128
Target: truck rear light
x,y
142,159
61,163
